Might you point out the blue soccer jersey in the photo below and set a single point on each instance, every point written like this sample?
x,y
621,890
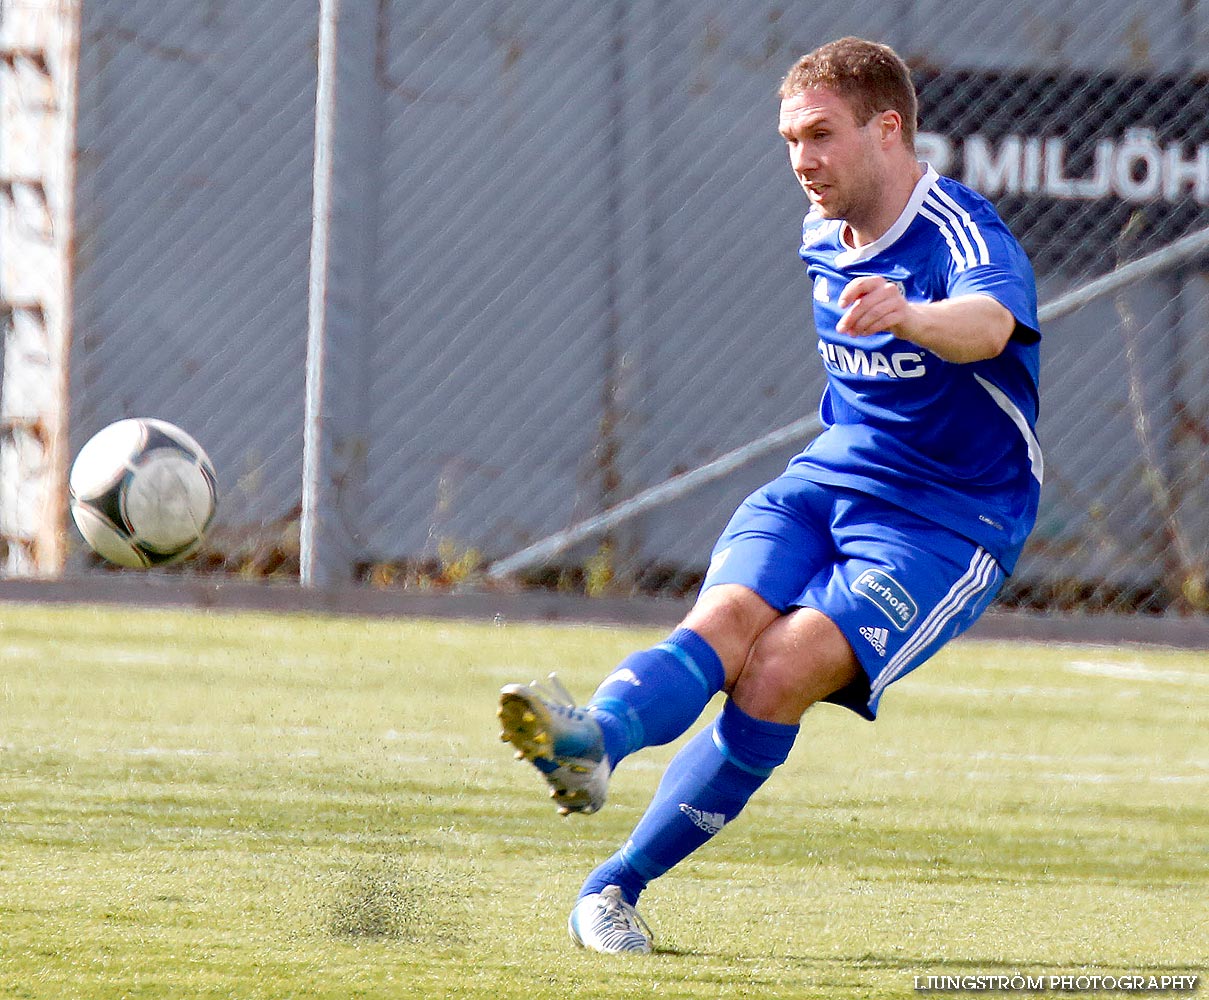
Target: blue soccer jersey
x,y
954,443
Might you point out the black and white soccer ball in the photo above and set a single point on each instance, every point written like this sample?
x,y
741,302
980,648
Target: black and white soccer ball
x,y
143,493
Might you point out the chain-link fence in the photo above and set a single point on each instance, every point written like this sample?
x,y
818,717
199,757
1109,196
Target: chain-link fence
x,y
554,270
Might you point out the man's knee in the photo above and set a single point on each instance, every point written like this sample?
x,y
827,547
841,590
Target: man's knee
x,y
730,617
798,660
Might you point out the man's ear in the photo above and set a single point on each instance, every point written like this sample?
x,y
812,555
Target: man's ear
x,y
890,124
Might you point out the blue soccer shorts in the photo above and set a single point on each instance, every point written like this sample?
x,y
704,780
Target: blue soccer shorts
x,y
897,585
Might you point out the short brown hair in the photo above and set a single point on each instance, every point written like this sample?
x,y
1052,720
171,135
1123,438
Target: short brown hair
x,y
870,77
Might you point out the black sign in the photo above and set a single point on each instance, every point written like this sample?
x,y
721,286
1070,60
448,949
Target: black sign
x,y
1088,170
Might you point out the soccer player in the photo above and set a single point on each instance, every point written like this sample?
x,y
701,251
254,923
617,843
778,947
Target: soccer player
x,y
884,539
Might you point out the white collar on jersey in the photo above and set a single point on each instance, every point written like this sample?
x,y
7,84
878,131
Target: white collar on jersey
x,y
854,255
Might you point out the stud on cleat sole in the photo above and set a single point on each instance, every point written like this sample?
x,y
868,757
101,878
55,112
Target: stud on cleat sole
x,y
558,739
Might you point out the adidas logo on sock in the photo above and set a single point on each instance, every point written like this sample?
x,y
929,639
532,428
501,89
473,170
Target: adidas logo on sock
x,y
711,823
877,637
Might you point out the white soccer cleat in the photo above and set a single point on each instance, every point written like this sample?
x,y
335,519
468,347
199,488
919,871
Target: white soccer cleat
x,y
603,921
561,740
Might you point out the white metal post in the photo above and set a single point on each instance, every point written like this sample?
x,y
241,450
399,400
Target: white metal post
x,y
340,281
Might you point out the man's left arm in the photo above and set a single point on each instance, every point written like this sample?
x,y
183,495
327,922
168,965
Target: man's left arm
x,y
966,328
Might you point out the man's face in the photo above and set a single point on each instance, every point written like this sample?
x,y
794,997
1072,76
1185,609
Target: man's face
x,y
837,160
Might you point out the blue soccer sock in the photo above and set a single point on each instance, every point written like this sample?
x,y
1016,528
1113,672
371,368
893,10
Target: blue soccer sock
x,y
655,695
706,786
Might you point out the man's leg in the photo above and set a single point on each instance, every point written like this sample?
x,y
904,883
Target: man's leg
x,y
655,695
651,698
774,544
797,660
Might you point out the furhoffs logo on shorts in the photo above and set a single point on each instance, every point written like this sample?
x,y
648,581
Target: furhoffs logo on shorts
x,y
889,595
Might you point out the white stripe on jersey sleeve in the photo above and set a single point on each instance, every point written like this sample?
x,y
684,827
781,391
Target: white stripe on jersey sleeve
x,y
958,257
941,209
984,255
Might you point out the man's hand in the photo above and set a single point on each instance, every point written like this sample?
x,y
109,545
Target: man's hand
x,y
968,328
874,305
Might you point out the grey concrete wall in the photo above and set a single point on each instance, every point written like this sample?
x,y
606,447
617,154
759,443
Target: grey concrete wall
x,y
584,267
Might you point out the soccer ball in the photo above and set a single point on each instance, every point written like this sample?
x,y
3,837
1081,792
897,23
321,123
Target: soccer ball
x,y
142,493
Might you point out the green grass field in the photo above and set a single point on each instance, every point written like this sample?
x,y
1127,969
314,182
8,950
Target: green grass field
x,y
247,806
